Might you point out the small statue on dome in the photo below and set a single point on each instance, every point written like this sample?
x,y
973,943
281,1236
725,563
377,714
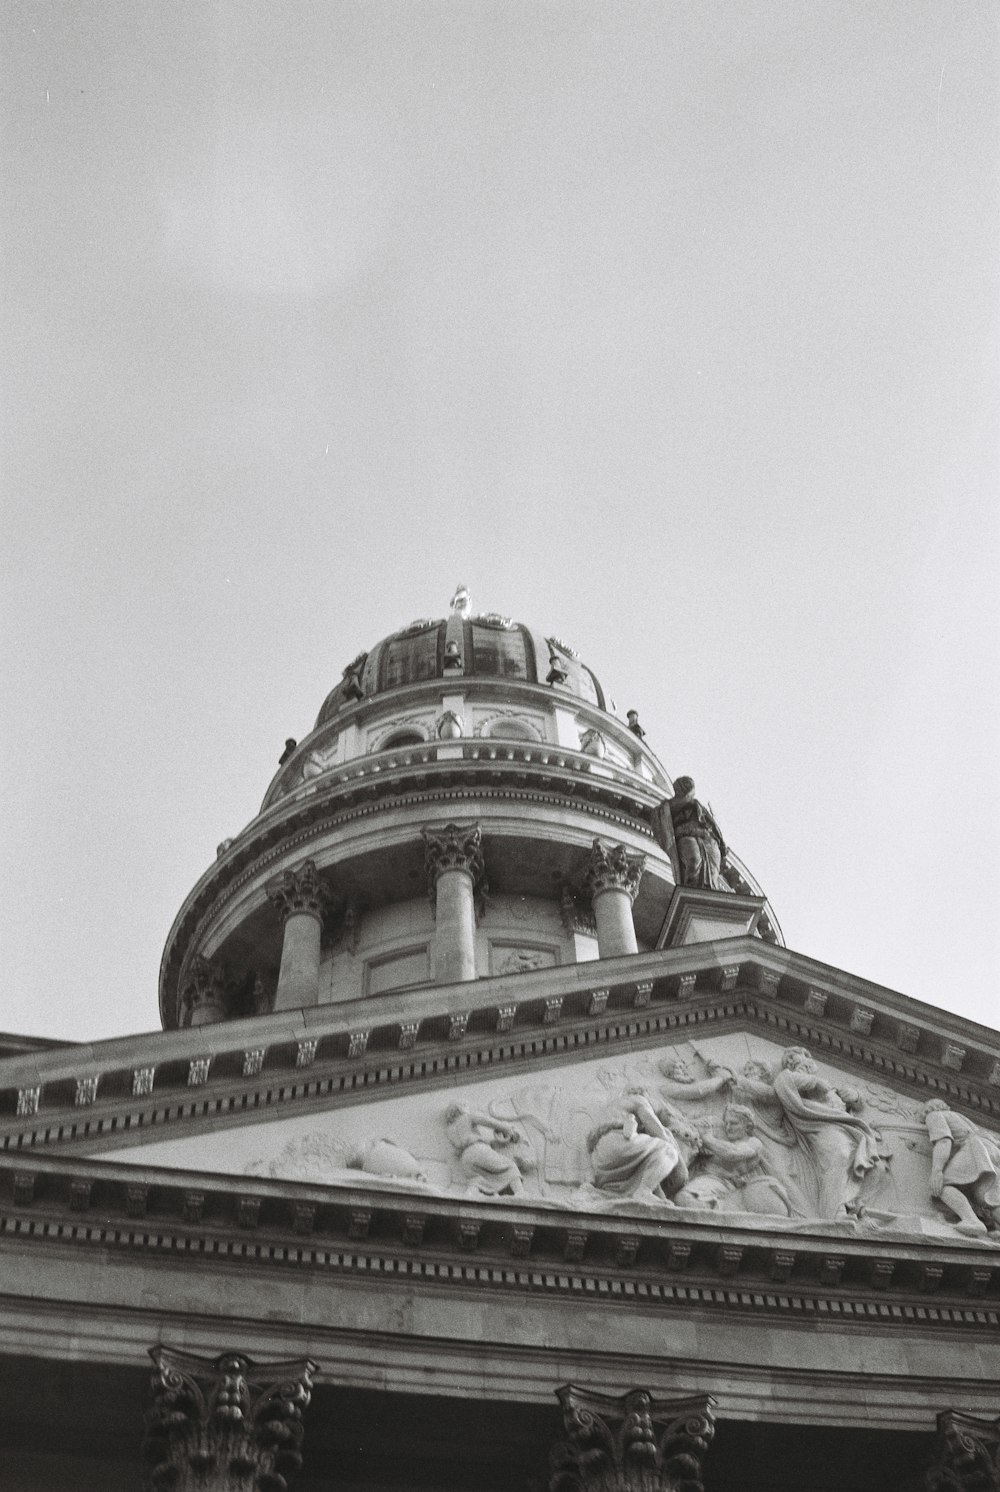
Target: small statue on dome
x,y
634,726
461,601
556,674
290,745
352,678
452,657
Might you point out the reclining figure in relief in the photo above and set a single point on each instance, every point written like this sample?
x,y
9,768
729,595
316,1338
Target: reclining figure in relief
x,y
636,1156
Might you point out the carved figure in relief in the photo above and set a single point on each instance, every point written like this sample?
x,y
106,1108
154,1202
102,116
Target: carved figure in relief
x,y
483,1147
633,1154
732,1173
682,1083
840,1150
965,1168
701,848
386,1158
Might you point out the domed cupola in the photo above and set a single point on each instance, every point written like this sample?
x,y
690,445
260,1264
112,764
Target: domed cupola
x,y
467,806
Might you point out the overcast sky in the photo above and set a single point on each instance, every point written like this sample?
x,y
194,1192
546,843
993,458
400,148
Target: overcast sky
x,y
671,328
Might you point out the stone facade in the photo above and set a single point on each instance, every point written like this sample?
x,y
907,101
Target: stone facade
x,y
493,1141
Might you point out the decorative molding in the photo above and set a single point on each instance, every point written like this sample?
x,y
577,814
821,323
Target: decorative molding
x,y
686,986
27,1101
907,1036
952,1056
968,1454
598,1001
505,1017
299,893
458,1025
729,978
815,1003
198,1070
226,1422
408,1035
553,1009
357,1042
453,848
305,1053
86,1092
862,1020
635,1443
613,868
203,994
642,994
142,1081
253,1061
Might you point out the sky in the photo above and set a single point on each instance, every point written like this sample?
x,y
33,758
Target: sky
x,y
670,328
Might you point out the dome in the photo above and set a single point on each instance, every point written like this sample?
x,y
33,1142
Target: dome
x,y
485,645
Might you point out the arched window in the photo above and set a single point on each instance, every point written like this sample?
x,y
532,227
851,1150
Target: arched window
x,y
401,738
505,729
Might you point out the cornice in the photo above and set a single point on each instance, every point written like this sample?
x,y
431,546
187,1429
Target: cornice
x,y
496,1250
302,1061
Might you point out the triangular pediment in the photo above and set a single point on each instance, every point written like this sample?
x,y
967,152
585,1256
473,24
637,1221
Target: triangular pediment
x,y
728,1125
356,1095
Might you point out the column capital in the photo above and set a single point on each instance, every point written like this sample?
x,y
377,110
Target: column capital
x,y
453,847
203,993
968,1454
299,891
613,868
635,1443
225,1424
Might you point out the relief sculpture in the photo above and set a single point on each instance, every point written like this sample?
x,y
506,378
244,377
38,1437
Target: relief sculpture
x,y
735,1125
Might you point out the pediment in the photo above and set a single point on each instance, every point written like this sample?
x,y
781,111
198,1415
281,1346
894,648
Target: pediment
x,y
722,1127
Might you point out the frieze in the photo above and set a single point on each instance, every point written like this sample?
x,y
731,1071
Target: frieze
x,y
731,1125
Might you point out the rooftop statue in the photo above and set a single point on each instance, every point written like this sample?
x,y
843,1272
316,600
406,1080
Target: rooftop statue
x,y
701,849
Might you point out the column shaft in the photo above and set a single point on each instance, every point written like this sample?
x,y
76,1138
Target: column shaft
x,y
298,977
615,926
455,931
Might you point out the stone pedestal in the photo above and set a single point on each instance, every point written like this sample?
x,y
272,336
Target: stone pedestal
x,y
455,871
299,900
225,1424
613,876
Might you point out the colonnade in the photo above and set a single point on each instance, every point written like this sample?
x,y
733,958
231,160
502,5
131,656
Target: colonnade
x,y
456,877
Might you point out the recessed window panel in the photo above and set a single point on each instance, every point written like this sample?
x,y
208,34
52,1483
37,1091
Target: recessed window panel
x,y
410,659
499,652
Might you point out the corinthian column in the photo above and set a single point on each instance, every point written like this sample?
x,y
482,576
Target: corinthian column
x,y
631,1444
454,860
298,897
613,876
203,994
225,1424
968,1454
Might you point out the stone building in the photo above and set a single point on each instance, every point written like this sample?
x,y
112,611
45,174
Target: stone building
x,y
495,1139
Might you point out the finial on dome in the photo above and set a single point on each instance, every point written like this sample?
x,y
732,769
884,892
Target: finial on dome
x,y
461,601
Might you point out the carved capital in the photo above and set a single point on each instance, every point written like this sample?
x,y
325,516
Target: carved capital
x,y
226,1424
635,1443
612,868
968,1454
299,891
455,847
203,994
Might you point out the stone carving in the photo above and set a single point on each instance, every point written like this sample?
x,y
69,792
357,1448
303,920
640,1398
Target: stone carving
x,y
521,960
487,1157
227,1423
682,1084
732,1172
635,1155
701,849
386,1158
203,994
632,717
299,891
592,743
965,1168
453,848
969,1454
630,1444
351,686
839,1148
449,726
612,868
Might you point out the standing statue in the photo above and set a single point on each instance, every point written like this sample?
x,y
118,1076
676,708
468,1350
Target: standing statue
x,y
839,1149
635,1156
488,1164
965,1167
733,1175
701,848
